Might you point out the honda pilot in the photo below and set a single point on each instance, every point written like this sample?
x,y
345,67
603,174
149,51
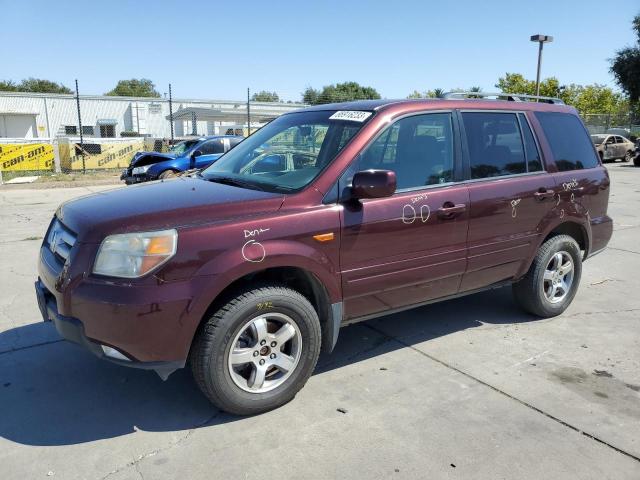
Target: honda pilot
x,y
326,216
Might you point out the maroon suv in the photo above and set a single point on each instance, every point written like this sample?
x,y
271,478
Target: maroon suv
x,y
326,216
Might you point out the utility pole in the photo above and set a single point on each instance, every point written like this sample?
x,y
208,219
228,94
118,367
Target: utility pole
x,y
248,114
171,113
84,169
541,39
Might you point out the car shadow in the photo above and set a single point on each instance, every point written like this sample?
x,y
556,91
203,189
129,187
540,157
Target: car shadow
x,y
59,394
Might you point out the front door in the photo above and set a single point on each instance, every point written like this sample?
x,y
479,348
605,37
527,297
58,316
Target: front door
x,y
510,194
411,247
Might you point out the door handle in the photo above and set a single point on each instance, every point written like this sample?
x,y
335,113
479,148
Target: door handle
x,y
449,210
542,194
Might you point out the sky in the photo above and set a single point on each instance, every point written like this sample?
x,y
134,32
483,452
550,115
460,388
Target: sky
x,y
216,50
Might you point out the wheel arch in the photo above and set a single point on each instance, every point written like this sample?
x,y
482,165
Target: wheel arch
x,y
296,278
571,227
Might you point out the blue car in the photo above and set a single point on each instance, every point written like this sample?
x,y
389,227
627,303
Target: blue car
x,y
193,153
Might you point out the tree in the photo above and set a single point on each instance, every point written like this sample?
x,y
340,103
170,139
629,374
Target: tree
x,y
587,99
310,96
625,67
8,86
516,83
134,88
341,92
264,96
34,85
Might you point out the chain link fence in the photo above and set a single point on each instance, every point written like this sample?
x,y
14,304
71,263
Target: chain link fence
x,y
51,134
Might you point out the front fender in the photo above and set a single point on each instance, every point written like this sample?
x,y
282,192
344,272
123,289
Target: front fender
x,y
178,164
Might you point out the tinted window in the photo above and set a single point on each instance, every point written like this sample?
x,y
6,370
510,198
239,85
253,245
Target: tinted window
x,y
495,144
534,163
619,140
419,149
211,147
571,147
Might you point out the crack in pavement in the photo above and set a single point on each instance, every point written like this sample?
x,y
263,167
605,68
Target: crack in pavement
x,y
602,312
135,463
35,345
502,392
623,250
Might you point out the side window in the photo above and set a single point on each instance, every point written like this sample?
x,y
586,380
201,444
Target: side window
x,y
419,149
570,144
534,162
495,144
619,140
211,147
611,139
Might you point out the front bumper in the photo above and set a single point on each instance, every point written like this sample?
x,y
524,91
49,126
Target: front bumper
x,y
130,179
72,330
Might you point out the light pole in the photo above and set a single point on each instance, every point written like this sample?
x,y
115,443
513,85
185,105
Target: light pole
x,y
541,39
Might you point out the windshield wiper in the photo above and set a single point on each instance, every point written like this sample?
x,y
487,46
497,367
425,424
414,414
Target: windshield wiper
x,y
236,182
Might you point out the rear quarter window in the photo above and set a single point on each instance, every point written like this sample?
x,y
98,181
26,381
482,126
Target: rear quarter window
x,y
570,144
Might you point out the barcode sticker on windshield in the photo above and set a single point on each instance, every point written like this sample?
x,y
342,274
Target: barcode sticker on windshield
x,y
351,115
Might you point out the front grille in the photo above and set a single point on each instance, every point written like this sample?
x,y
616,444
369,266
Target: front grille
x,y
60,240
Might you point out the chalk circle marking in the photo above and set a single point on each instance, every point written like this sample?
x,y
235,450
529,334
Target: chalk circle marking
x,y
423,209
251,244
407,217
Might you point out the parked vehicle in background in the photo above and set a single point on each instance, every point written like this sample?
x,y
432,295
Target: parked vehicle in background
x,y
185,155
324,217
613,147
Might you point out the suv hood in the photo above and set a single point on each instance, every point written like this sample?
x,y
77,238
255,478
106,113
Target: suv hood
x,y
142,158
159,205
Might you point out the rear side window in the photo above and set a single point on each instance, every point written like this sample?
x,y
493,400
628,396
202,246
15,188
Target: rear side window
x,y
571,147
534,163
211,147
495,144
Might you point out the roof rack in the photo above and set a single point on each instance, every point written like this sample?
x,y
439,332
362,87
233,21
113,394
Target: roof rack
x,y
511,97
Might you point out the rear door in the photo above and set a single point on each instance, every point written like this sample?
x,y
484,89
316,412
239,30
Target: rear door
x,y
410,247
510,194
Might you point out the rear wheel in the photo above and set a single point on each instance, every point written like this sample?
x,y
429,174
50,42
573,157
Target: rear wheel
x,y
628,156
256,352
168,174
551,283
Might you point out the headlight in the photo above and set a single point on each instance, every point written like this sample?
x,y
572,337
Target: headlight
x,y
133,255
140,170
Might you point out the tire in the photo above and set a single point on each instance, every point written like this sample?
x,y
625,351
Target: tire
x,y
236,388
529,292
167,174
628,156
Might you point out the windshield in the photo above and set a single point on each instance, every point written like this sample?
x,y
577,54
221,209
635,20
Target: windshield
x,y
288,153
181,147
598,139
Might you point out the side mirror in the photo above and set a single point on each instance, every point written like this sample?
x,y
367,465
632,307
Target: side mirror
x,y
192,159
373,184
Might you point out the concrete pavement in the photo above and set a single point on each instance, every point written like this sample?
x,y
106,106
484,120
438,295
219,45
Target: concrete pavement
x,y
469,388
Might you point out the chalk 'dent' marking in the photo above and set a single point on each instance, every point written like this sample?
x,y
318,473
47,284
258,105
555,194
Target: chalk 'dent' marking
x,y
408,214
514,204
256,247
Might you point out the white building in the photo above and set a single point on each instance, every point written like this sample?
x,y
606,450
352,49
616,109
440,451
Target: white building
x,y
45,115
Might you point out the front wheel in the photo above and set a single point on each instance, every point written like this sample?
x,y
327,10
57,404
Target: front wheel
x,y
257,351
167,174
552,281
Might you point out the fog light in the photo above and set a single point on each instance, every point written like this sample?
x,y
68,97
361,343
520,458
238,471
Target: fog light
x,y
113,353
